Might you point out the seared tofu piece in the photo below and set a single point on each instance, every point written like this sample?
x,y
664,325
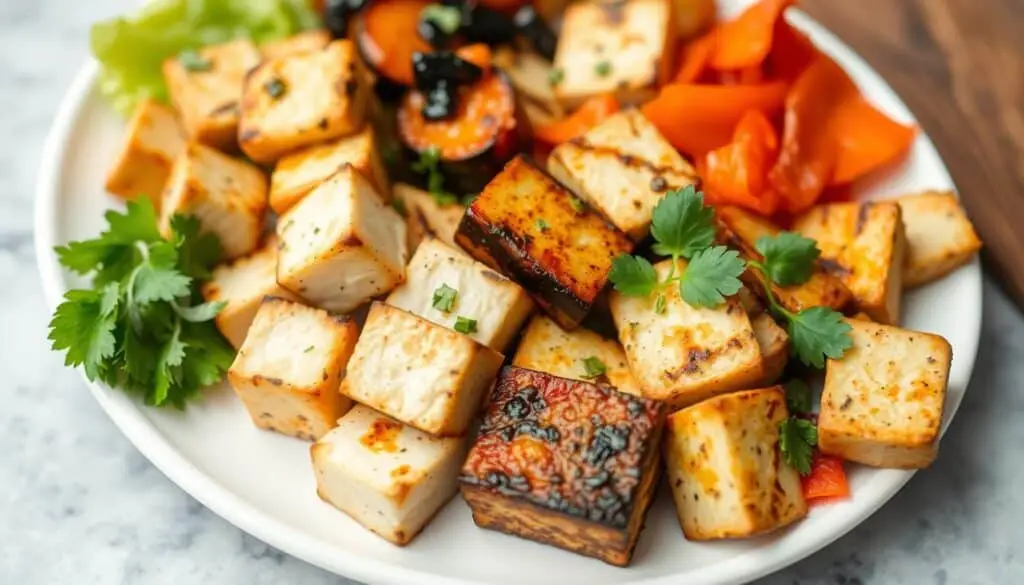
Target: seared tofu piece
x,y
546,347
303,42
728,478
341,245
288,370
565,463
622,167
773,342
882,403
940,237
227,195
531,77
622,47
387,476
419,372
534,231
425,216
686,354
863,244
302,99
153,141
206,87
442,285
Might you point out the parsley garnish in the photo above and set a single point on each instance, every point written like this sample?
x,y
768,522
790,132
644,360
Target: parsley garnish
x,y
193,62
465,325
447,18
788,257
444,298
603,68
428,166
594,367
543,225
555,76
797,438
577,204
798,397
308,349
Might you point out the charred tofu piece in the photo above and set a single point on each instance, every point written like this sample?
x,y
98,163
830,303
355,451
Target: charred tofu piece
x,y
537,233
288,370
442,285
304,42
565,463
341,245
227,195
940,237
622,167
206,87
579,354
863,244
299,100
773,341
387,476
882,403
153,141
425,216
419,372
686,354
622,47
728,478
531,76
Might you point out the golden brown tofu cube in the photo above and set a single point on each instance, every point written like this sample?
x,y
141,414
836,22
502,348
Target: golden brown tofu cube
x,y
773,341
424,216
565,463
152,142
940,237
304,42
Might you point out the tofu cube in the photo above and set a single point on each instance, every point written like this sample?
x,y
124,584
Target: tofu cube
x,y
622,167
419,372
206,88
882,403
425,216
565,463
227,195
303,42
863,244
299,173
546,347
531,229
623,47
302,99
387,476
773,342
288,370
728,478
341,245
940,237
498,305
153,141
686,354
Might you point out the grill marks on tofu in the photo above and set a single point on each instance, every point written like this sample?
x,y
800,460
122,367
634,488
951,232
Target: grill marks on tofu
x,y
940,237
426,217
153,141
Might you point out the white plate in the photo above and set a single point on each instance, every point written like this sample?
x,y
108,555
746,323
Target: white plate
x,y
262,482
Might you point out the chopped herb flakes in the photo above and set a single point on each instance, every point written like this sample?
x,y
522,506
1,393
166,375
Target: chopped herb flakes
x,y
444,298
593,367
465,325
193,62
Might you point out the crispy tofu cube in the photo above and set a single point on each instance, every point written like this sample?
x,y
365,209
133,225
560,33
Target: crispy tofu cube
x,y
622,47
425,216
530,228
341,245
940,237
773,341
206,90
530,75
153,141
303,42
686,354
387,476
297,174
499,305
882,403
728,478
546,347
299,100
622,167
227,195
419,372
565,463
288,369
863,244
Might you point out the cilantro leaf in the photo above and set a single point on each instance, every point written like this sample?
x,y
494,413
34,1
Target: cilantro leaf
x,y
159,284
817,333
171,356
633,276
681,224
201,312
83,325
798,397
788,257
711,275
593,368
465,325
429,166
444,298
797,438
197,252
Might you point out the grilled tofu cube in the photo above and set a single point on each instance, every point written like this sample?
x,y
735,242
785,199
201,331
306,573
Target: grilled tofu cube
x,y
862,244
727,476
299,100
341,245
288,369
773,342
421,373
206,87
303,42
940,237
622,167
387,476
425,216
623,47
546,347
227,195
882,403
153,141
534,231
498,305
565,463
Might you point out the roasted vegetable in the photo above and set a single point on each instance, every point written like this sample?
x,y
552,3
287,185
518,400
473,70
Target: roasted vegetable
x,y
387,36
537,32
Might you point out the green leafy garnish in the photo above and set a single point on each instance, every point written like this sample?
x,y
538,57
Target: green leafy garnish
x,y
798,397
603,68
681,224
542,224
577,204
593,368
555,76
193,62
797,438
447,18
817,333
712,275
465,325
444,298
788,257
428,165
634,276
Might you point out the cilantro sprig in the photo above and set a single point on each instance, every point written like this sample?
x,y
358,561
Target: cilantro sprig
x,y
797,439
429,165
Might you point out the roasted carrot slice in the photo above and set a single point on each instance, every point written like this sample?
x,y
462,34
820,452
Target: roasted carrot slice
x,y
387,37
868,139
746,40
737,173
827,480
591,113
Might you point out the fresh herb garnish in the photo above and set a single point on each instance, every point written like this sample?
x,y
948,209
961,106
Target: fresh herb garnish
x,y
428,165
603,68
555,76
193,62
447,19
308,349
275,88
798,397
577,204
788,257
593,368
399,206
543,225
465,325
797,439
444,298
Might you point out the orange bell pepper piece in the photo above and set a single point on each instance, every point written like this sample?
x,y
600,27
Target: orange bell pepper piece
x,y
792,52
746,40
590,114
827,480
694,57
737,173
868,139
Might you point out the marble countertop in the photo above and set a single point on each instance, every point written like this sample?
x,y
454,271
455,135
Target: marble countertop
x,y
78,503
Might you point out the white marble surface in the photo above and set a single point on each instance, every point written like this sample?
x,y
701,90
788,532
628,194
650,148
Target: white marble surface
x,y
78,504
